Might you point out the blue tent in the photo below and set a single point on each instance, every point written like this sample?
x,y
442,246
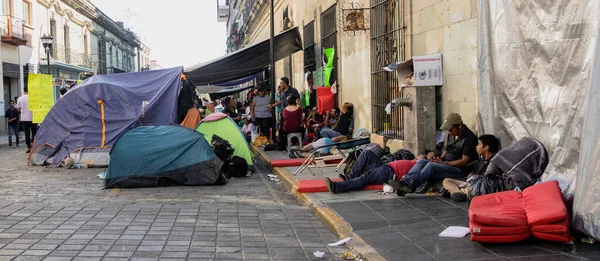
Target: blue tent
x,y
151,156
87,121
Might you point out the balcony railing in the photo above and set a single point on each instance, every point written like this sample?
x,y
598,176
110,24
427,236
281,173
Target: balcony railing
x,y
70,56
13,30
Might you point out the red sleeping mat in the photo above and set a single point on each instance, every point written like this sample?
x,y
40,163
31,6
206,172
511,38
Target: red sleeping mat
x,y
544,204
296,162
481,230
502,209
318,185
501,239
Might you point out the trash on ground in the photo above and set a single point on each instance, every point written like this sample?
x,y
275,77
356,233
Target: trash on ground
x,y
588,240
348,256
319,254
273,178
455,231
387,188
102,175
341,242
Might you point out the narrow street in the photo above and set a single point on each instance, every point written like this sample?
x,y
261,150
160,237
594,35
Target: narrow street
x,y
64,214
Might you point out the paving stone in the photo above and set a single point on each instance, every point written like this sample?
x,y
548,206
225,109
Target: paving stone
x,y
57,258
68,253
36,252
149,248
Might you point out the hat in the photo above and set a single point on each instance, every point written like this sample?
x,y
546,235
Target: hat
x,y
451,120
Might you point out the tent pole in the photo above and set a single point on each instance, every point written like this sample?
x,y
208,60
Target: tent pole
x,y
272,67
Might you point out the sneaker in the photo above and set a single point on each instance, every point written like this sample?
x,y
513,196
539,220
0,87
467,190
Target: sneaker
x,y
330,185
28,150
401,187
458,197
343,176
445,193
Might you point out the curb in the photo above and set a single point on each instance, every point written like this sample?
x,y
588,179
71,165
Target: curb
x,y
336,223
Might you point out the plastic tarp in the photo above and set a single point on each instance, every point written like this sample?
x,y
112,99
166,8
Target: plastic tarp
x,y
245,62
87,121
143,157
536,65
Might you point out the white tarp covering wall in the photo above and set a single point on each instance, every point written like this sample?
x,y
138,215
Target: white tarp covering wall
x,y
539,77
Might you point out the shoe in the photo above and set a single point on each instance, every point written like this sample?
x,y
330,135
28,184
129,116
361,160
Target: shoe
x,y
445,193
28,150
458,197
10,145
343,176
330,185
401,187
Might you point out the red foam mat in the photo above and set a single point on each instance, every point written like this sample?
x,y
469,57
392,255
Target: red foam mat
x,y
544,204
484,230
560,231
501,239
318,185
296,162
502,209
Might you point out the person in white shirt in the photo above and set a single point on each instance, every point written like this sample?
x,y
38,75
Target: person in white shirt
x,y
26,119
248,128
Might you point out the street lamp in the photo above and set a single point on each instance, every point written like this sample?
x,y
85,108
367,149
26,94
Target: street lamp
x,y
47,43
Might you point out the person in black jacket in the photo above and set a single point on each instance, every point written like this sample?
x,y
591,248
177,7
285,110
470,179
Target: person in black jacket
x,y
486,149
12,118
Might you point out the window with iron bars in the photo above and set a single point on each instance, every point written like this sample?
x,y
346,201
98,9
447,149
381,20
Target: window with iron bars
x,y
386,48
329,37
309,46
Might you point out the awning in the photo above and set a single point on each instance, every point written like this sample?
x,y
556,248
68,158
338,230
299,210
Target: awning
x,y
217,92
227,92
67,66
246,61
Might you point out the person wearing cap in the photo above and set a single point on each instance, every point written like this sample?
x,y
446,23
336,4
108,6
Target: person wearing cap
x,y
456,161
260,110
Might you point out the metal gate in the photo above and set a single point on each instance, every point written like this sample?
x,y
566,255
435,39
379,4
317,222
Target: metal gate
x,y
386,48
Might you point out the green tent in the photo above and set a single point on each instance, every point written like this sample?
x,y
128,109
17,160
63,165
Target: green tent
x,y
220,124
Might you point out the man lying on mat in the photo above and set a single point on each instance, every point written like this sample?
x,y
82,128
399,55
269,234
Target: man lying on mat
x,y
369,169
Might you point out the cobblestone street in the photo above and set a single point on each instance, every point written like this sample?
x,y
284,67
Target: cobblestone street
x,y
61,214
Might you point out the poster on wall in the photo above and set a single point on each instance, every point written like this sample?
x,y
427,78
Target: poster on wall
x,y
428,70
41,95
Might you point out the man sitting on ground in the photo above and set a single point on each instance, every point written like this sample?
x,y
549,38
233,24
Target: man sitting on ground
x,y
486,149
369,170
455,161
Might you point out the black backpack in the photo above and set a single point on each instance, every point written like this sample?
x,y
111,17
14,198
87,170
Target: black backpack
x,y
237,167
222,148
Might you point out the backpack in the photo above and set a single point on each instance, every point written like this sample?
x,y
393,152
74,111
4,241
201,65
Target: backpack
x,y
237,167
222,148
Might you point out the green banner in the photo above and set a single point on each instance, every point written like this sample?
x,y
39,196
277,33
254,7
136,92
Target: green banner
x,y
327,76
306,98
318,77
329,54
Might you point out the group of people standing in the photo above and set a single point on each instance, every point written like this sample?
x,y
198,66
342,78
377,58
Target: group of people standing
x,y
291,117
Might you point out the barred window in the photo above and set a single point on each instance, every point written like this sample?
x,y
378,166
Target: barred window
x,y
329,36
386,48
309,46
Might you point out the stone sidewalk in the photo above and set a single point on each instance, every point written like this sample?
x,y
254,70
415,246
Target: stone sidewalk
x,y
64,214
407,228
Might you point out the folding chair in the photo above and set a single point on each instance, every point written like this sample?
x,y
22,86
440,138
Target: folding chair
x,y
344,145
